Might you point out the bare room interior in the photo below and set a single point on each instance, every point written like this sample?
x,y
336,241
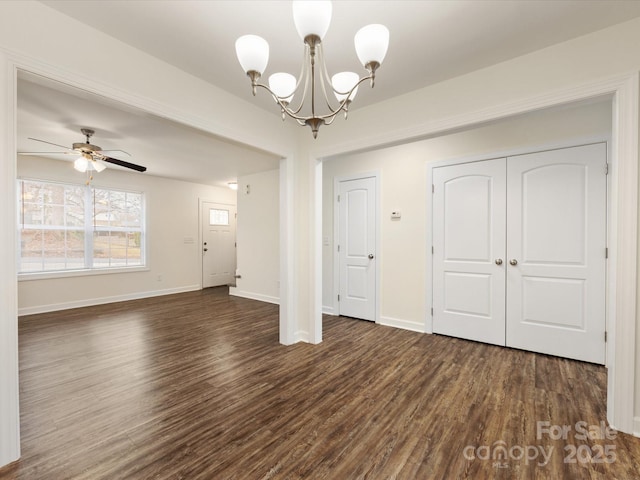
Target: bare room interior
x,y
435,279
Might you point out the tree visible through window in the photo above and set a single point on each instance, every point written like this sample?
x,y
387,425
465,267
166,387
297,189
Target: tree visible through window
x,y
73,227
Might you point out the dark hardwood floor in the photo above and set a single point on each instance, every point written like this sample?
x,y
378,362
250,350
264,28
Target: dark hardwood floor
x,y
196,386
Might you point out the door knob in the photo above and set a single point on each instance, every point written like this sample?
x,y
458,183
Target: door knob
x,y
513,261
498,261
371,256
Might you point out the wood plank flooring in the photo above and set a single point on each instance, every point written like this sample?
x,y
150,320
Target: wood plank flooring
x,y
196,386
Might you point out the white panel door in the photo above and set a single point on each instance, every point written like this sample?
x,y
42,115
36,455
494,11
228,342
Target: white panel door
x,y
357,248
468,251
556,230
218,244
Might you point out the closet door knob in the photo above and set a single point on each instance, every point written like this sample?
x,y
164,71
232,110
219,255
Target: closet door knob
x,y
498,261
513,261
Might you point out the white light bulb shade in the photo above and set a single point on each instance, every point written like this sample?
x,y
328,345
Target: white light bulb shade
x,y
253,53
371,43
81,164
343,82
283,85
312,17
98,165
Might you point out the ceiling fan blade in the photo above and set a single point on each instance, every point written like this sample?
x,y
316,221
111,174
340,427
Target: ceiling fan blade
x,y
115,152
48,153
50,143
122,163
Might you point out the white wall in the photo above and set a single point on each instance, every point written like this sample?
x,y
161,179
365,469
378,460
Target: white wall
x,y
172,215
403,187
258,237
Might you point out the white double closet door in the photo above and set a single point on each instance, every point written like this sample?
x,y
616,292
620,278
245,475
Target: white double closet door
x,y
519,251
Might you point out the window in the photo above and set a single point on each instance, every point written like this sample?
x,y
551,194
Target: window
x,y
76,227
218,217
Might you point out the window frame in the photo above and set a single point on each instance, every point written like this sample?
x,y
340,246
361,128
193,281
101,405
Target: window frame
x,y
89,228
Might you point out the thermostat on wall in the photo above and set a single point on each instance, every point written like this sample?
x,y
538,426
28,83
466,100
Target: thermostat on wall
x,y
396,214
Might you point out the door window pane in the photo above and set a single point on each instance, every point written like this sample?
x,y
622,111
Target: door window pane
x,y
218,217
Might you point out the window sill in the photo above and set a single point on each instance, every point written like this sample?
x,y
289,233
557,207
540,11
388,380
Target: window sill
x,y
25,277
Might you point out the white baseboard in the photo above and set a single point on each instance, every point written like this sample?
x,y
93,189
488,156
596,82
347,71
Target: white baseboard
x,y
328,310
54,307
636,426
404,324
253,296
301,336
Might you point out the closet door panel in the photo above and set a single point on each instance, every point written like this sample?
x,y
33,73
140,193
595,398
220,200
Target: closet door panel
x,y
469,236
556,239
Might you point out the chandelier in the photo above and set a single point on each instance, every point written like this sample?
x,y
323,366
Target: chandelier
x,y
312,20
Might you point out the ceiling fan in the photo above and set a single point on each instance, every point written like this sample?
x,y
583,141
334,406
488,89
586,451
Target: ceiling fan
x,y
91,157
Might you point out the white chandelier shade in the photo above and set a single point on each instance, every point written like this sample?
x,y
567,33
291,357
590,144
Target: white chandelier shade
x,y
372,43
312,19
253,53
343,83
283,85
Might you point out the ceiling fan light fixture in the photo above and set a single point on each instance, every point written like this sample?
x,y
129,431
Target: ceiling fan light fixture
x,y
81,164
92,158
98,166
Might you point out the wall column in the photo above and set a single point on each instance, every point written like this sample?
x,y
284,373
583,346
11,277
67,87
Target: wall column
x,y
9,413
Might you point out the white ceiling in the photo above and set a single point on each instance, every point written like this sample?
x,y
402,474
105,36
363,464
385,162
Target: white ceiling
x,y
430,41
55,113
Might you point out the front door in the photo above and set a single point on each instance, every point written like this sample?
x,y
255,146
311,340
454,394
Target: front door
x,y
218,244
357,248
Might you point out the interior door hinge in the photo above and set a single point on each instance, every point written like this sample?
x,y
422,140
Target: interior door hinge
x,y
338,297
605,336
606,252
338,247
432,250
433,188
338,198
432,311
606,169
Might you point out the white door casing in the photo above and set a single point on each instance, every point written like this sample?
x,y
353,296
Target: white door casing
x,y
218,244
550,245
468,251
357,248
556,230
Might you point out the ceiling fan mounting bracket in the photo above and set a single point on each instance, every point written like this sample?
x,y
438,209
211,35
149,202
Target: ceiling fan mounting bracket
x,y
86,148
87,132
